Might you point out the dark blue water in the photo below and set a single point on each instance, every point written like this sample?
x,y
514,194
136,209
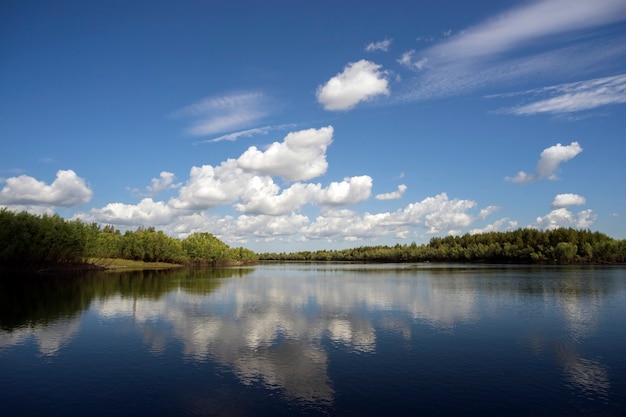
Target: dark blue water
x,y
317,339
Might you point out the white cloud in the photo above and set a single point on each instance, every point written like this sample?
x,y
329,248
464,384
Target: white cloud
x,y
349,191
549,163
378,46
393,195
262,197
248,133
575,97
562,217
67,190
487,211
164,182
210,186
530,23
497,51
553,156
270,226
359,81
501,225
566,200
407,59
301,156
220,114
148,213
436,214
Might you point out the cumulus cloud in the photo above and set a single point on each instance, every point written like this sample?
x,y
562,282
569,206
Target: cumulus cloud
x,y
147,212
393,195
349,191
210,186
359,81
269,212
164,182
223,113
562,217
262,197
378,46
566,200
501,225
434,214
263,226
67,190
549,163
575,97
301,156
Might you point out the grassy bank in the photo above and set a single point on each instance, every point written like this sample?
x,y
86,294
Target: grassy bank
x,y
115,264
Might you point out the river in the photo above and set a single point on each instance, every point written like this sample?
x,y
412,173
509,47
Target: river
x,y
317,339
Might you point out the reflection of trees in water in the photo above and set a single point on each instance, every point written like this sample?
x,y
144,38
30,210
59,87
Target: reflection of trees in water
x,y
269,330
47,309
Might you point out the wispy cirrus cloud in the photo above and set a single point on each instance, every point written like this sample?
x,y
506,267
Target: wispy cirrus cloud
x,y
249,133
528,24
542,38
218,114
574,97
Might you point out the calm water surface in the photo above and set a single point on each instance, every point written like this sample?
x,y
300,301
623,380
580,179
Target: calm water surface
x,y
317,339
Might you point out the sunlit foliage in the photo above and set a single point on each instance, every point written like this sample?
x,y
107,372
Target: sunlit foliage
x,y
31,241
563,246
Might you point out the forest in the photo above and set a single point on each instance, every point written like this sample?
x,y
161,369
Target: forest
x,y
35,242
524,246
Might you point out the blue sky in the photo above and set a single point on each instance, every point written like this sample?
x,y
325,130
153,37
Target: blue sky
x,y
283,126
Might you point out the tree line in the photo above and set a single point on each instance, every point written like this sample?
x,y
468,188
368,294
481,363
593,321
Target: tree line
x,y
36,241
528,246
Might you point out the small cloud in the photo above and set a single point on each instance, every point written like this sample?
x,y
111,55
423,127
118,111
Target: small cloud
x,y
521,177
407,60
359,81
378,46
487,211
393,195
566,200
164,182
562,217
223,113
614,214
447,33
549,163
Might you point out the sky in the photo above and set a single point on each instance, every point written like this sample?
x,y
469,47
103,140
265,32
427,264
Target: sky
x,y
283,126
